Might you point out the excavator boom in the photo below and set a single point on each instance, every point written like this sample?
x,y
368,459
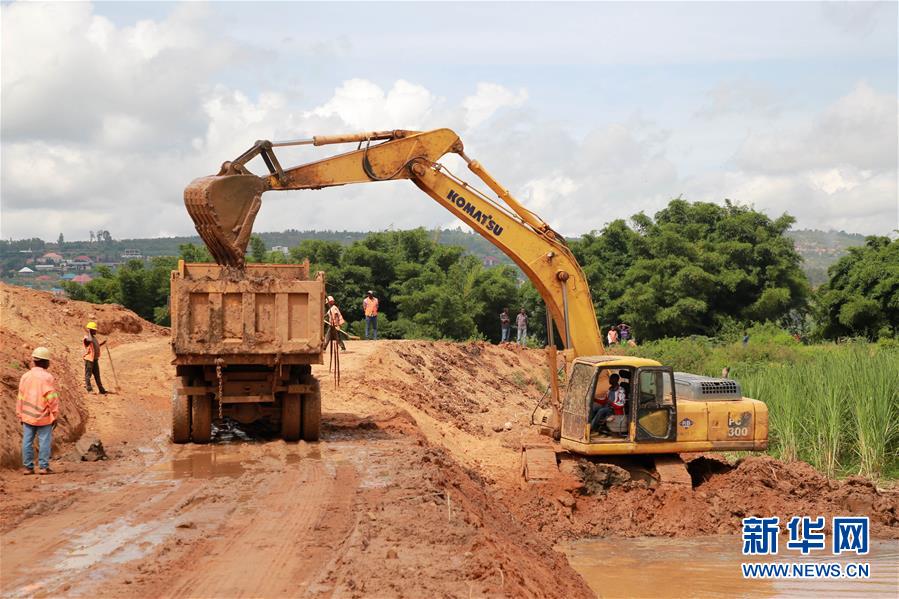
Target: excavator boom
x,y
224,206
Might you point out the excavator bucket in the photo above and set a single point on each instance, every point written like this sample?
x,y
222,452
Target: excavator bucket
x,y
223,208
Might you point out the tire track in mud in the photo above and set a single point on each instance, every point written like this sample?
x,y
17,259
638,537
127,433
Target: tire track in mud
x,y
274,547
53,553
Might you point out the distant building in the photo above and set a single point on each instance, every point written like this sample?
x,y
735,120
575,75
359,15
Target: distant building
x,y
45,267
489,261
50,258
281,248
68,276
80,263
82,279
132,255
25,271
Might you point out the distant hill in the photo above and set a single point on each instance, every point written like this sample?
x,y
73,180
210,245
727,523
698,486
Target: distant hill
x,y
819,249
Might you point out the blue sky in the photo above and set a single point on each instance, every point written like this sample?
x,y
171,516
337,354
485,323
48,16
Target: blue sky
x,y
586,111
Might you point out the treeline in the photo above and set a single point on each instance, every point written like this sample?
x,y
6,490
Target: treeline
x,y
691,269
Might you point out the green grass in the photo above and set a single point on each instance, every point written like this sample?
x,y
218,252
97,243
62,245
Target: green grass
x,y
833,406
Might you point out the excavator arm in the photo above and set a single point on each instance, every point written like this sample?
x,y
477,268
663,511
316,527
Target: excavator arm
x,y
224,206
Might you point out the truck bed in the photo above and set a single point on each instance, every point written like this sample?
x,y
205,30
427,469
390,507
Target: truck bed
x,y
265,314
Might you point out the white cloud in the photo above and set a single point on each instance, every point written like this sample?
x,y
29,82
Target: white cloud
x,y
859,130
364,106
489,98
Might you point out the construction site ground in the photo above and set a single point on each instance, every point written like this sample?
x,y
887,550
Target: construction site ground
x,y
414,489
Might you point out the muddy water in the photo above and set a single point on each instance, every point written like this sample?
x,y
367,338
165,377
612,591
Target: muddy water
x,y
710,567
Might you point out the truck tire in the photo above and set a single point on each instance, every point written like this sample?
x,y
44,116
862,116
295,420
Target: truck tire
x,y
312,411
180,413
290,417
201,418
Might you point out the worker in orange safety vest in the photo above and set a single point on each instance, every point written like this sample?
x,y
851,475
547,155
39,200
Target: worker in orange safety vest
x,y
370,308
92,357
334,320
37,406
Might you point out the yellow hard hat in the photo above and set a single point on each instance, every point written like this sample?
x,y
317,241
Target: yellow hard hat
x,y
41,353
91,325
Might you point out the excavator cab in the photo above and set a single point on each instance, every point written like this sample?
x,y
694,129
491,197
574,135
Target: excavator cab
x,y
650,411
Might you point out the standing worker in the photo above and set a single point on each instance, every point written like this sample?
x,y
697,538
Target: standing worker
x,y
370,307
612,336
521,321
92,357
334,322
37,406
504,324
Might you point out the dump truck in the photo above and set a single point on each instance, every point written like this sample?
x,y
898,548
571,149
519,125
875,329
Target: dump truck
x,y
244,342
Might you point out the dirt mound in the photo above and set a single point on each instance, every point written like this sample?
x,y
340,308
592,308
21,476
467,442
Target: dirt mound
x,y
455,535
471,386
32,318
757,486
15,360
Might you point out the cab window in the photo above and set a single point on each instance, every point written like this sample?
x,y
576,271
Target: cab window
x,y
655,389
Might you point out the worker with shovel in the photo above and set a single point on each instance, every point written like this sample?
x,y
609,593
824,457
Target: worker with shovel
x,y
92,357
334,320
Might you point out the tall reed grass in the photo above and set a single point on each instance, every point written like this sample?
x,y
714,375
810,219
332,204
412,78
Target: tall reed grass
x,y
836,408
833,406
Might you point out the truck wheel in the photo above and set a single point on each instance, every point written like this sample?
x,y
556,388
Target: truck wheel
x,y
180,413
312,412
201,418
290,417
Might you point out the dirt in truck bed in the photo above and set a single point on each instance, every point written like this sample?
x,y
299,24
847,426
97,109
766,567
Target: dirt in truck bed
x,y
414,490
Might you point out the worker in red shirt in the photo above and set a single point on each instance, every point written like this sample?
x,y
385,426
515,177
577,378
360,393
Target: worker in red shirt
x,y
334,320
605,406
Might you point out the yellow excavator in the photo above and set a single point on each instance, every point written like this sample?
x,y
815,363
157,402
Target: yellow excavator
x,y
665,413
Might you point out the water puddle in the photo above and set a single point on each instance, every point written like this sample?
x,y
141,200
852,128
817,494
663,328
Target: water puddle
x,y
710,567
201,464
91,556
227,461
114,543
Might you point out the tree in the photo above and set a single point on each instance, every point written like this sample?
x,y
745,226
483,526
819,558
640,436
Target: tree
x,y
692,267
257,248
139,287
60,240
194,253
862,296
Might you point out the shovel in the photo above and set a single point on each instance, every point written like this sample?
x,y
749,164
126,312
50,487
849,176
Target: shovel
x,y
112,367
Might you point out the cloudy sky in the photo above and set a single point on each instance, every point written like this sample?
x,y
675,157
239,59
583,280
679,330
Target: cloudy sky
x,y
588,112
